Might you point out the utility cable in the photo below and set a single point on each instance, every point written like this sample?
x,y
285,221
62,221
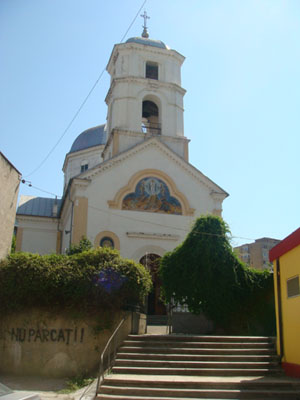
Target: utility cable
x,y
83,103
28,183
163,225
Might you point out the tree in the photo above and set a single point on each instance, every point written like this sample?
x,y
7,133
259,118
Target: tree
x,y
205,274
13,244
84,245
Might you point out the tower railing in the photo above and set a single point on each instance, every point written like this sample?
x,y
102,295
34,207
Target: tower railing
x,y
151,128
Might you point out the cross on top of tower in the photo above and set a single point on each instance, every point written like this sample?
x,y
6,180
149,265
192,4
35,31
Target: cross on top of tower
x,y
145,33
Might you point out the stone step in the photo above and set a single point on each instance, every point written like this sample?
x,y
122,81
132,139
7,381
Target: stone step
x,y
160,393
123,397
202,338
279,382
184,350
198,345
197,357
194,364
168,367
196,371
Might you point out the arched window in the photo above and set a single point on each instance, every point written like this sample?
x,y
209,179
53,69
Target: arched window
x,y
150,118
151,70
107,241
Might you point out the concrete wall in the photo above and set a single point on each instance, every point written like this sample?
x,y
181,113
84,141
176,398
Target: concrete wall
x,y
185,322
9,182
58,345
37,234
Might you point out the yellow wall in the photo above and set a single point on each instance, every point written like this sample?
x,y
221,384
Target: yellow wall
x,y
79,219
289,268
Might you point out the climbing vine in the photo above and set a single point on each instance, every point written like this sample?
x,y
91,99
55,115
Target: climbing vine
x,y
205,274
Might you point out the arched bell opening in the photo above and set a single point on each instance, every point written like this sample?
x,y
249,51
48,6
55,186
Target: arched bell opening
x,y
154,304
150,118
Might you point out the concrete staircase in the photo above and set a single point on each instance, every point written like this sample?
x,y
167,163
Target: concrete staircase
x,y
200,367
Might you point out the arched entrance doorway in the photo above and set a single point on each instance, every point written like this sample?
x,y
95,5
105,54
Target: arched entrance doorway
x,y
155,306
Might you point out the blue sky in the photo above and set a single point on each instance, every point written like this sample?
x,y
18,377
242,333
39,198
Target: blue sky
x,y
241,74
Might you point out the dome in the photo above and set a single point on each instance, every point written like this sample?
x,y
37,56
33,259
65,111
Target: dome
x,y
148,42
91,137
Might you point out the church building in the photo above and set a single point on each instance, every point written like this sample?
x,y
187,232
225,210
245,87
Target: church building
x,y
128,183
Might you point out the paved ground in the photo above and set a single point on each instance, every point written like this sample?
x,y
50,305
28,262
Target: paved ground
x,y
156,330
47,388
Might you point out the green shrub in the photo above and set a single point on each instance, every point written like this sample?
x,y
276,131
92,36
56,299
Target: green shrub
x,y
84,245
13,244
83,281
205,274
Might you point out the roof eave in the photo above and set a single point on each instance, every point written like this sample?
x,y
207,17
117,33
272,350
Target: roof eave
x,y
286,245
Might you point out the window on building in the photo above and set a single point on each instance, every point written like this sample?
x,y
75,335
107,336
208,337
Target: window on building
x,y
151,70
293,288
107,241
84,167
265,255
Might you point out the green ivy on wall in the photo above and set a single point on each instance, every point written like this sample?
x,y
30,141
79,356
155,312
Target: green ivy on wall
x,y
205,274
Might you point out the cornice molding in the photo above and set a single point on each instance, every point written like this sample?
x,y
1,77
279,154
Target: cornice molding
x,y
81,182
124,47
37,218
166,151
80,153
144,136
147,235
145,82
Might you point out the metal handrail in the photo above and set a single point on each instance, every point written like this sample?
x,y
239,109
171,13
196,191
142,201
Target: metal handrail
x,y
170,319
109,358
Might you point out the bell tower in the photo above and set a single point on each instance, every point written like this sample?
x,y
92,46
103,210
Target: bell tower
x,y
145,97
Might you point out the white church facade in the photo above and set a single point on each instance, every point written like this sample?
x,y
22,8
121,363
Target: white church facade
x,y
128,184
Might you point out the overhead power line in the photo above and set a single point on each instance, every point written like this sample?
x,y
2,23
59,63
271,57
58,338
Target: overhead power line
x,y
28,183
82,104
162,225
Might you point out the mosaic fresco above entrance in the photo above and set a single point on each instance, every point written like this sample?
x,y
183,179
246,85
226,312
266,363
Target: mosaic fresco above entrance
x,y
153,195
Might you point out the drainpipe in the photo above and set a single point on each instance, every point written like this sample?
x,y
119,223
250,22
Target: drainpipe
x,y
71,224
54,214
279,306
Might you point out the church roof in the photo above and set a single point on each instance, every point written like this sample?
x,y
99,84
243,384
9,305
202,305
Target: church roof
x,y
38,206
148,42
157,142
91,137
